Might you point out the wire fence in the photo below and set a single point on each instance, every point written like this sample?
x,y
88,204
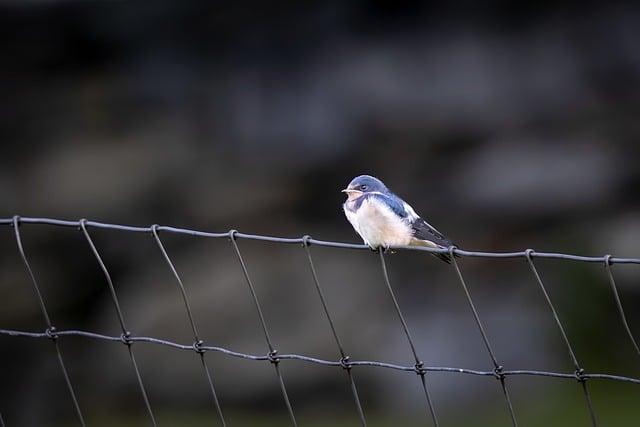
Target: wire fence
x,y
344,362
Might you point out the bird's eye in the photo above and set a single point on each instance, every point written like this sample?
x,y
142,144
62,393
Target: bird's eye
x,y
364,187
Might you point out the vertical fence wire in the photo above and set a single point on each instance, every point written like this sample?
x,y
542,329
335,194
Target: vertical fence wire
x,y
344,359
529,253
273,354
419,366
198,343
126,335
497,367
614,289
51,330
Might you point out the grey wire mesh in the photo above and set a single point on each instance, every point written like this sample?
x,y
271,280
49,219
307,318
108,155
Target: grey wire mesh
x,y
345,363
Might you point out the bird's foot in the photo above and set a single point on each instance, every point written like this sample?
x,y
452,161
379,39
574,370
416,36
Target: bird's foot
x,y
384,248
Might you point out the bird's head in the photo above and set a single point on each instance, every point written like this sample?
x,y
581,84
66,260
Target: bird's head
x,y
364,184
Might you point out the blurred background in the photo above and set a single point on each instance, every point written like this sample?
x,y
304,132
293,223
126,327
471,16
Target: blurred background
x,y
507,127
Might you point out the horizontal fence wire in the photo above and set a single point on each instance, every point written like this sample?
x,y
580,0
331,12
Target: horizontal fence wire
x,y
318,361
344,362
315,242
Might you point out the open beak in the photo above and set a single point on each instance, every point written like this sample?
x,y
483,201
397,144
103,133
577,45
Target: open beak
x,y
352,193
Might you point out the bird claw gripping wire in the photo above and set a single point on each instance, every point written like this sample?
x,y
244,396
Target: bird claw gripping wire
x,y
385,249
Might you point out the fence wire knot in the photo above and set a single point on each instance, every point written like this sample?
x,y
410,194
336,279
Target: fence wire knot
x,y
529,253
197,346
125,337
419,368
345,363
306,240
498,372
579,374
607,259
273,356
52,333
232,235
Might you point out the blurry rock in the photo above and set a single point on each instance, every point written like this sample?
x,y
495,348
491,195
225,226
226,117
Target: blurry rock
x,y
532,178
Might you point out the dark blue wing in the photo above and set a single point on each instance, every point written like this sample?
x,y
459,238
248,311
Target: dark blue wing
x,y
392,201
423,231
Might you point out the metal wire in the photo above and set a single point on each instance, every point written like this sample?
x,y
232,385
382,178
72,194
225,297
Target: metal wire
x,y
314,242
273,357
579,371
51,330
419,366
125,337
616,296
317,361
497,368
344,359
198,343
273,354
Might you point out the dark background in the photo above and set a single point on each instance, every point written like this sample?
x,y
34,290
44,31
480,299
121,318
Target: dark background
x,y
506,126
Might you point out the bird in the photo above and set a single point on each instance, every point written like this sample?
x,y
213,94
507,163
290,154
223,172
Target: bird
x,y
383,219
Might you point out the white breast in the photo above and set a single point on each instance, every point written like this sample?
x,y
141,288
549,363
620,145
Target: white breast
x,y
378,225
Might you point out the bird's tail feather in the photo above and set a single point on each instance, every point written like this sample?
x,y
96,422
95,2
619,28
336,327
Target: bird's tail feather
x,y
446,257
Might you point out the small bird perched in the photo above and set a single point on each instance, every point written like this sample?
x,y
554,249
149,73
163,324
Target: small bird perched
x,y
383,219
